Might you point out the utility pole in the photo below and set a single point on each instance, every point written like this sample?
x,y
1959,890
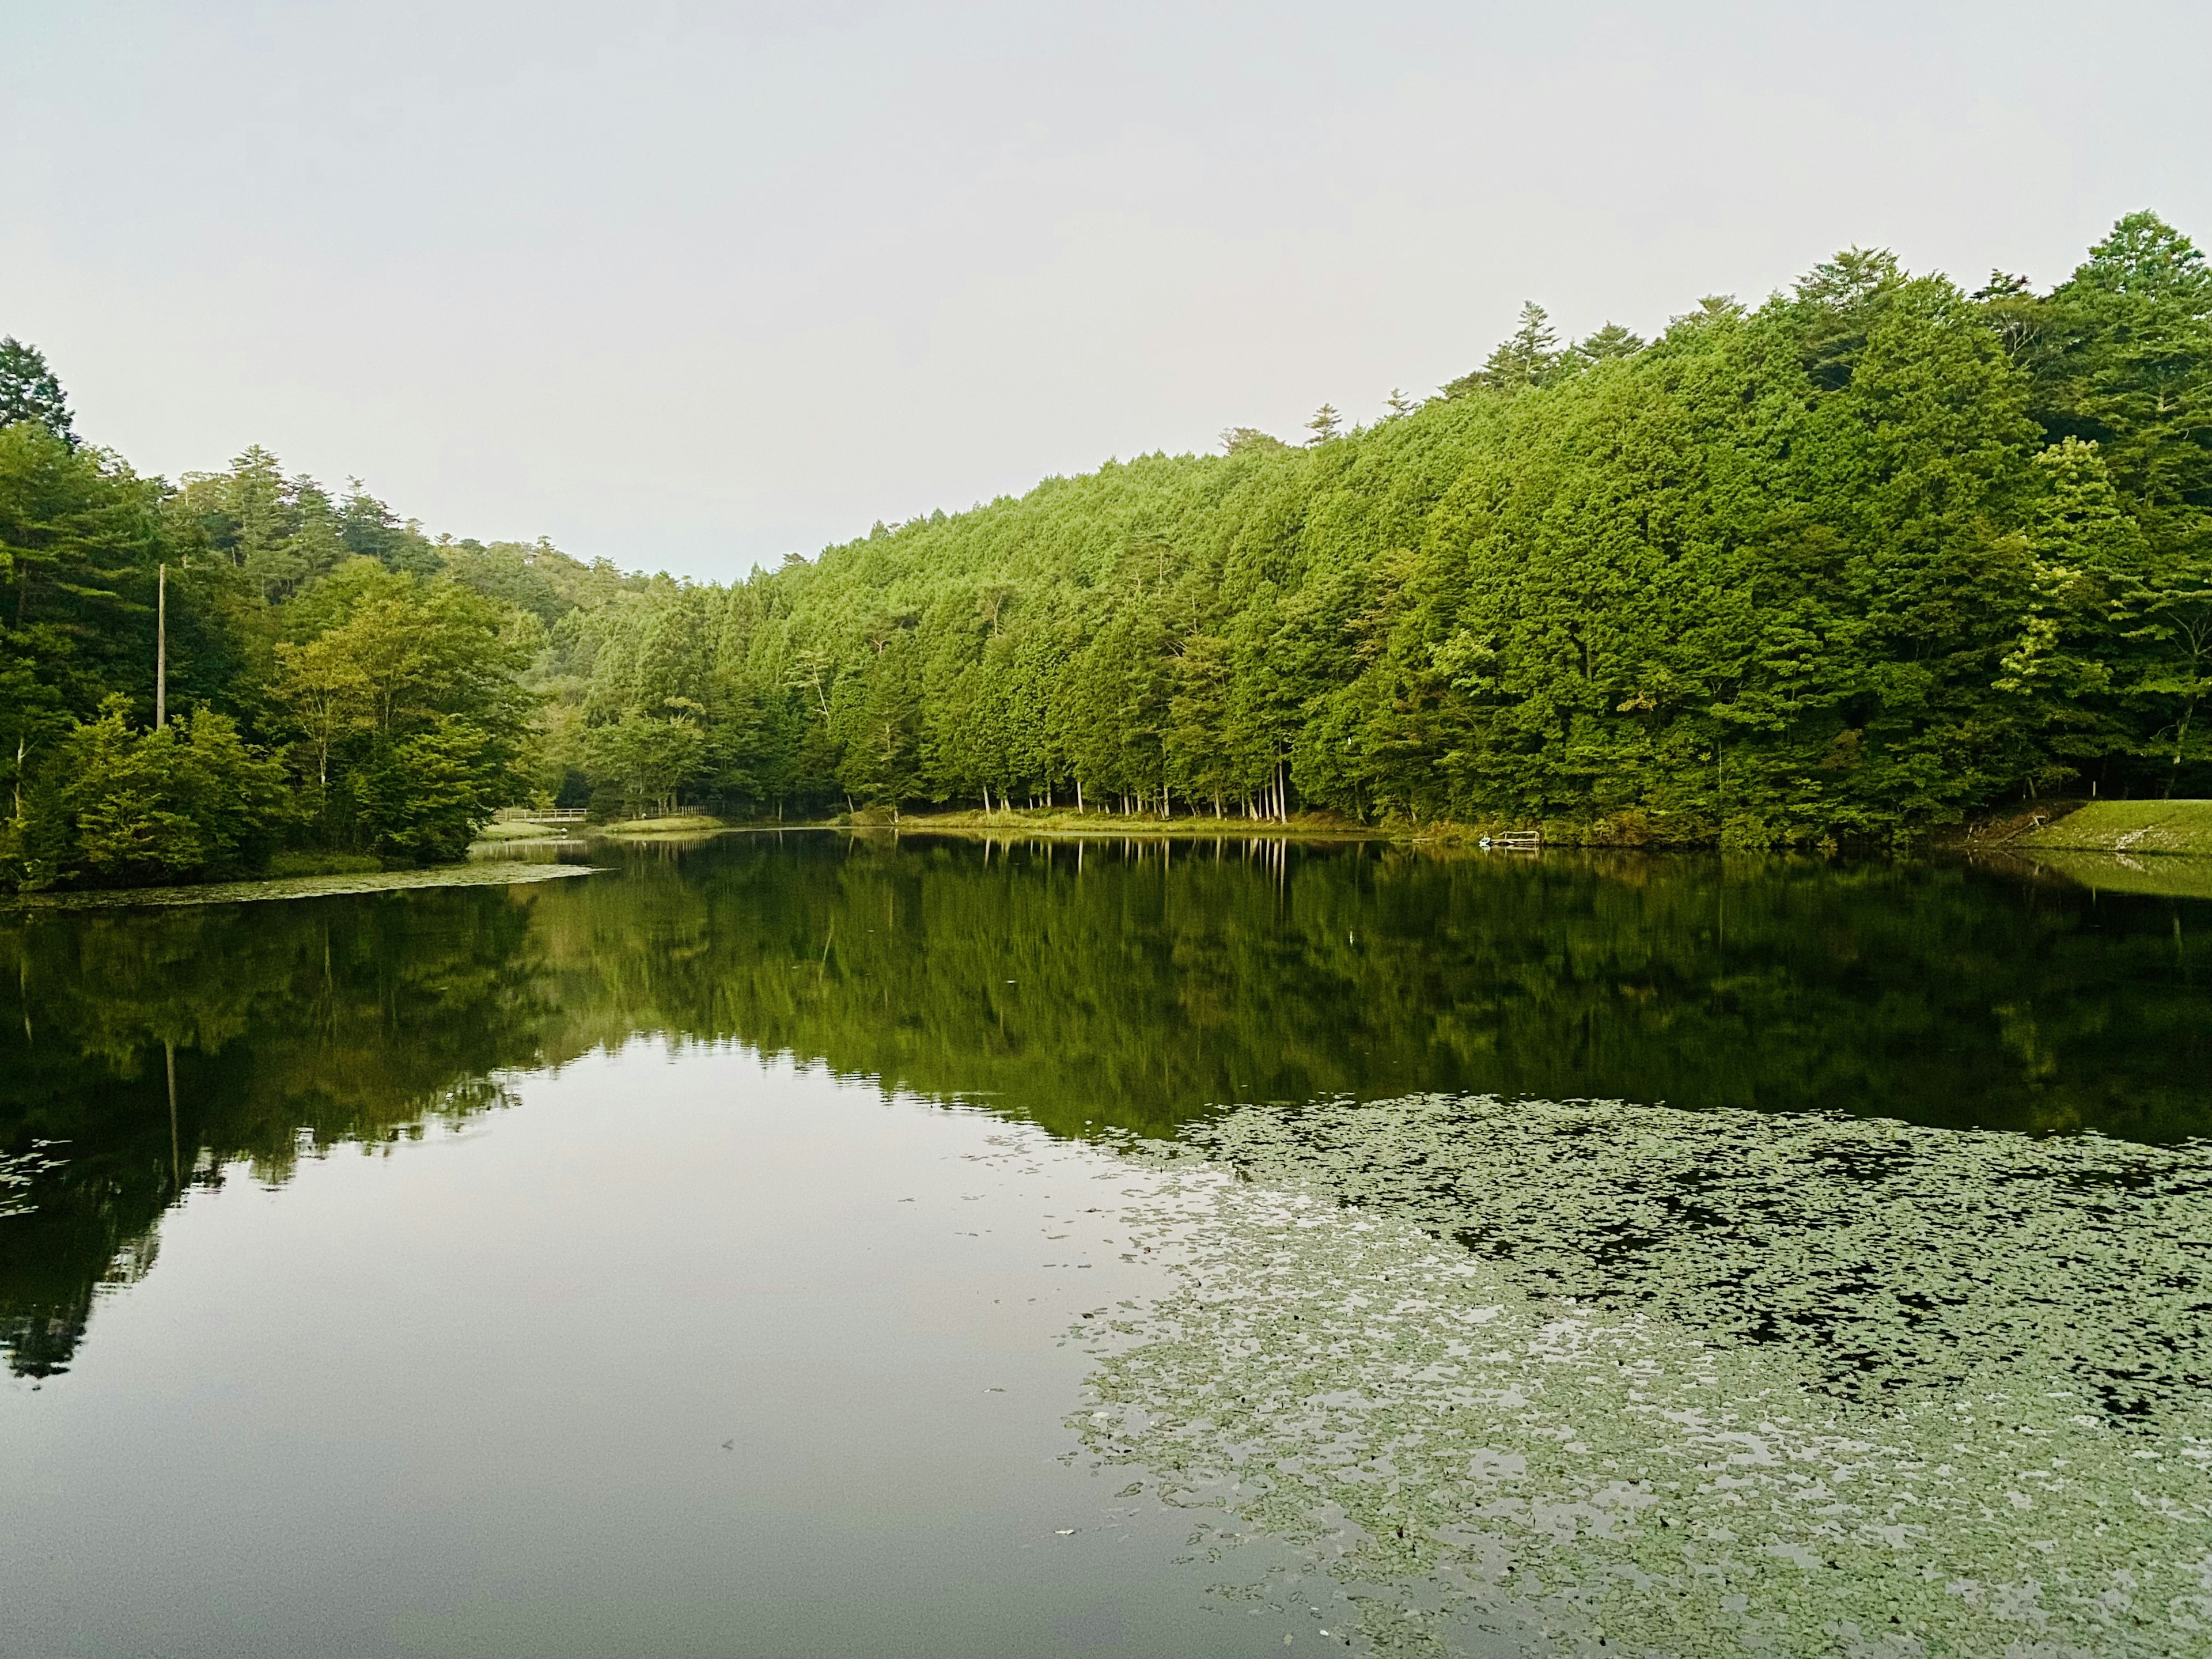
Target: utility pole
x,y
160,645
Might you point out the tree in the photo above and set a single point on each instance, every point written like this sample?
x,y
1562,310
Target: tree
x,y
1244,440
404,700
324,689
2125,360
2121,358
644,759
1608,342
1325,424
79,540
2071,659
117,806
1529,356
1837,304
30,391
2010,306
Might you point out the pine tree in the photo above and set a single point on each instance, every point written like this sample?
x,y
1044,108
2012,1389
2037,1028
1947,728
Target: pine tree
x,y
1529,356
1610,341
1838,302
29,391
1326,424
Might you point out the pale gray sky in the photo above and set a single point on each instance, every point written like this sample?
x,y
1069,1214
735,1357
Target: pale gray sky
x,y
688,286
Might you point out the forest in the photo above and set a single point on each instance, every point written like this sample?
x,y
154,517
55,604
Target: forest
x,y
1867,560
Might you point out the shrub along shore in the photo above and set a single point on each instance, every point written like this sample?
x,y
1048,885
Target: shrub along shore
x,y
1856,564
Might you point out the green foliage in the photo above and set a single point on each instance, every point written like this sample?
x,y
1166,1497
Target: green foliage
x,y
326,631
115,806
405,706
642,760
1864,561
2120,356
79,540
1778,576
29,391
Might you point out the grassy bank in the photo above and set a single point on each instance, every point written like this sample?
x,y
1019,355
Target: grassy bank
x,y
681,824
1059,821
497,833
2128,826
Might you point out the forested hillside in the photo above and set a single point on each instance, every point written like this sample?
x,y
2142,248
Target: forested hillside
x,y
1858,563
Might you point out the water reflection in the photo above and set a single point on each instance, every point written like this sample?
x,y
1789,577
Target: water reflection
x,y
1079,987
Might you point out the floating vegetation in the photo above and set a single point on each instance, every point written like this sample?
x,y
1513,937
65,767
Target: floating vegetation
x,y
478,873
1891,1259
18,1170
1679,1397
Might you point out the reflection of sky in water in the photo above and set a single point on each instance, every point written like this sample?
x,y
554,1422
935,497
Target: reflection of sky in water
x,y
1704,1459
682,1354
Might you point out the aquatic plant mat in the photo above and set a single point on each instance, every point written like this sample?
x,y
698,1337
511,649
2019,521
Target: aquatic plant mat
x,y
482,872
1589,1377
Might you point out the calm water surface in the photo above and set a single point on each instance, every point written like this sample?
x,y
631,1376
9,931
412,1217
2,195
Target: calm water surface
x,y
749,1249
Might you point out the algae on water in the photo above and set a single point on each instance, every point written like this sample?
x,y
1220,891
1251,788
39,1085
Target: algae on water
x,y
1705,1383
1891,1259
480,874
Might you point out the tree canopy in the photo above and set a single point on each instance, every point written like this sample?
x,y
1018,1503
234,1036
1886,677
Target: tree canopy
x,y
1865,559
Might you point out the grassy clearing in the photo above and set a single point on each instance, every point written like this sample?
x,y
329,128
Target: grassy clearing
x,y
484,873
1059,821
2129,826
494,833
683,823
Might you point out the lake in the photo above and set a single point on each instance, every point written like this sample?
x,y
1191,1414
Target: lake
x,y
841,1245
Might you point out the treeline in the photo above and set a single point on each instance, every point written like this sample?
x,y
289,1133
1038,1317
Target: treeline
x,y
1874,556
340,691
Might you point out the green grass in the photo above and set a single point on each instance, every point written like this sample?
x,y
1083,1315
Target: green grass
x,y
2128,826
1065,821
683,823
517,831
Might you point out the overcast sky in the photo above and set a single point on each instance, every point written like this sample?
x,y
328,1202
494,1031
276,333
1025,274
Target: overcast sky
x,y
690,286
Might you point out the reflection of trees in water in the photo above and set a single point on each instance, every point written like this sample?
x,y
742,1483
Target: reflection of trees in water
x,y
1104,986
164,1048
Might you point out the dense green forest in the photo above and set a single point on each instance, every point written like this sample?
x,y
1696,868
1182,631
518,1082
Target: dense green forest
x,y
1863,561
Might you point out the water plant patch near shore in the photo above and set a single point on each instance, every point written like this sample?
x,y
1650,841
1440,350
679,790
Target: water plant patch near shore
x,y
1577,1378
481,873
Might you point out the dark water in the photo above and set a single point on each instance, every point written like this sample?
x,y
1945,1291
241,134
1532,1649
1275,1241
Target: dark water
x,y
596,1265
